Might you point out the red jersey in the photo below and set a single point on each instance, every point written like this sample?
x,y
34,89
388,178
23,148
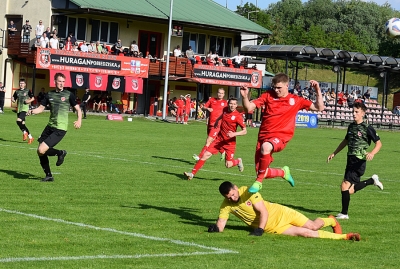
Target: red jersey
x,y
179,103
279,117
229,123
187,103
217,106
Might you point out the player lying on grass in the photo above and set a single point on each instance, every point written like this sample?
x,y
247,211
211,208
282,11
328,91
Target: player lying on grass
x,y
271,217
225,140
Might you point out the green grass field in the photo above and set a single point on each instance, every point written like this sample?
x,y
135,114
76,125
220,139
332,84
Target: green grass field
x,y
120,200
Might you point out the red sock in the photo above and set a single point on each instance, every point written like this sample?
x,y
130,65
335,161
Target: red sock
x,y
203,150
275,172
186,119
235,162
263,165
198,166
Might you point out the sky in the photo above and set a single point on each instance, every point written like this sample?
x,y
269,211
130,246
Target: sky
x,y
263,4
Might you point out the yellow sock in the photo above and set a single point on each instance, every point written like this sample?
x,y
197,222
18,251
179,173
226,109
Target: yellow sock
x,y
328,222
329,235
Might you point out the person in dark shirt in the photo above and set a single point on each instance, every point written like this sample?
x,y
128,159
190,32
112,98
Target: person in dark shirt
x,y
85,100
59,102
2,95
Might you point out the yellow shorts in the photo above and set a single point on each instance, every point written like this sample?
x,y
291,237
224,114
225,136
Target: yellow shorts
x,y
282,218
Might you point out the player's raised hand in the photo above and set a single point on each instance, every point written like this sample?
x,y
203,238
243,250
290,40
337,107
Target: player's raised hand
x,y
314,84
244,91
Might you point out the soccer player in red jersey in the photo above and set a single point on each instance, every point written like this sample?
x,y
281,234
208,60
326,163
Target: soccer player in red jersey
x,y
215,107
277,125
180,104
225,140
187,108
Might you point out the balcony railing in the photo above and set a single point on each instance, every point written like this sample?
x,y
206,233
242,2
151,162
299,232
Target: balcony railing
x,y
20,49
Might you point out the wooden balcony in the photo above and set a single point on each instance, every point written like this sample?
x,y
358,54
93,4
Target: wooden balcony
x,y
179,67
20,49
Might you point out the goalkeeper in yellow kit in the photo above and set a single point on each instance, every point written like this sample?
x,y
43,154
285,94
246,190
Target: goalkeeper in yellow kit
x,y
272,218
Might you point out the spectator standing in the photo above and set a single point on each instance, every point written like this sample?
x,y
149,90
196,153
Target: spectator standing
x,y
54,32
367,95
358,139
54,44
44,41
177,51
351,98
39,30
26,32
24,97
273,218
59,102
12,28
237,60
277,125
133,48
48,32
85,100
190,55
225,140
117,47
2,96
72,36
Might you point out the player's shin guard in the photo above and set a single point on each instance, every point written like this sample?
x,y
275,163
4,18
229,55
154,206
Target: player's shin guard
x,y
20,125
235,162
203,150
363,184
53,152
25,128
329,235
198,166
263,165
275,172
44,162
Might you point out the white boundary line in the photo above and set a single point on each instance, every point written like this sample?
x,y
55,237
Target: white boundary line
x,y
214,250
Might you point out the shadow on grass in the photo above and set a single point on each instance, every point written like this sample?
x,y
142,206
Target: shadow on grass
x,y
323,213
14,141
174,159
20,175
183,177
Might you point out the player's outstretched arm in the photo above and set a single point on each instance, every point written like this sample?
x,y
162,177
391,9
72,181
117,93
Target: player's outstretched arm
x,y
249,106
263,213
318,105
37,110
218,227
338,149
78,123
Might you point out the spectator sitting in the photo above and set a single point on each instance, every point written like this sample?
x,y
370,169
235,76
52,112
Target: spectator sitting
x,y
237,60
84,47
367,95
396,110
36,44
54,33
92,47
117,47
135,54
105,49
190,55
96,103
177,51
54,44
99,47
72,37
134,48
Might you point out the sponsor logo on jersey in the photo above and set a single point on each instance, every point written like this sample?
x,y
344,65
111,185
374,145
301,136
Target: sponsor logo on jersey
x,y
248,203
63,98
291,101
233,118
359,134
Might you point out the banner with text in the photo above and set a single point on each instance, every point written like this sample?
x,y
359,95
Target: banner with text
x,y
77,61
220,75
307,120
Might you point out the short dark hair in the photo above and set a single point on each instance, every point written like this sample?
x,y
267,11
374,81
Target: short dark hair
x,y
232,99
226,187
22,80
360,104
59,75
280,77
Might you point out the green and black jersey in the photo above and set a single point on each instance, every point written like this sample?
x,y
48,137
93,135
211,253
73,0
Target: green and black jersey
x,y
59,102
359,137
21,95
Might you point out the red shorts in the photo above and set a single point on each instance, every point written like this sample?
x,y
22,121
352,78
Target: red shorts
x,y
278,144
212,132
179,112
228,147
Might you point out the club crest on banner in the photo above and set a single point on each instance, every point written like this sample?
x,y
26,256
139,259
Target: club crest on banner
x,y
116,83
98,81
79,80
135,84
44,59
255,77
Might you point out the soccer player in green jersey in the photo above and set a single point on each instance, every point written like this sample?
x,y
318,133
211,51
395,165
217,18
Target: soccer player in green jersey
x,y
23,97
358,139
59,101
271,217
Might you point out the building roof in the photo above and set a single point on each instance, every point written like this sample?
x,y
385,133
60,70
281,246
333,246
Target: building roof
x,y
200,12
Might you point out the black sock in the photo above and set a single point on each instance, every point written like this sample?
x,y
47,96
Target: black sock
x,y
25,128
44,162
53,152
19,123
345,201
363,184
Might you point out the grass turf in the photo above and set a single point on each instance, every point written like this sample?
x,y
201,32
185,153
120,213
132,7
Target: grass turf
x,y
120,200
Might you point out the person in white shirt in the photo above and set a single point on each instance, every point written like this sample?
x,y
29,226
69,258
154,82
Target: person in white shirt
x,y
54,42
39,29
84,47
134,47
177,51
238,58
44,41
92,47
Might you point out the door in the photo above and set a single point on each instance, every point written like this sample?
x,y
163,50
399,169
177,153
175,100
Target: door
x,y
150,43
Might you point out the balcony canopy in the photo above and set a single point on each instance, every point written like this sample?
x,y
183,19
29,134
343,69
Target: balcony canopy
x,y
326,56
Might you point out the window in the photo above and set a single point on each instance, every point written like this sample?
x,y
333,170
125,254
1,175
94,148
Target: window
x,y
104,31
67,25
197,41
221,45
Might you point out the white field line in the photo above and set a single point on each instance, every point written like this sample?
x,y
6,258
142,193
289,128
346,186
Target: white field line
x,y
214,250
101,155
